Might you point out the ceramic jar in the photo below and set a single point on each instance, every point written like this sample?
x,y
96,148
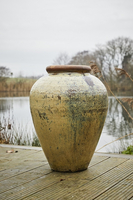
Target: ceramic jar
x,y
68,108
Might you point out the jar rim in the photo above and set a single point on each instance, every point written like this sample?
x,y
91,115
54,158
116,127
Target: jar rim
x,y
68,68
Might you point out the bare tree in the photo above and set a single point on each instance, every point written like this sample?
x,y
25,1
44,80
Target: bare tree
x,y
115,53
4,73
62,59
82,58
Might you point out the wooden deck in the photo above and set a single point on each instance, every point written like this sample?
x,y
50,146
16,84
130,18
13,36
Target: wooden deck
x,y
27,175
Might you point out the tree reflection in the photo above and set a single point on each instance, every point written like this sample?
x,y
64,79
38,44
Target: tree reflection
x,y
5,105
118,122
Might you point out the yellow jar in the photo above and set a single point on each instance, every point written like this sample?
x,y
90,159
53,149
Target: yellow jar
x,y
68,108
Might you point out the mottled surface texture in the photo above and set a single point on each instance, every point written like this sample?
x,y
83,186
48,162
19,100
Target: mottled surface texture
x,y
68,111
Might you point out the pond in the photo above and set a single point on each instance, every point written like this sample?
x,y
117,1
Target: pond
x,y
16,125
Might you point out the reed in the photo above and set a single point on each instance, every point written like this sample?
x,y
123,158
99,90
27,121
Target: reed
x,y
121,72
16,85
17,133
97,72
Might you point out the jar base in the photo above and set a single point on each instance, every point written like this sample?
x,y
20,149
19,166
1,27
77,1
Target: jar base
x,y
70,170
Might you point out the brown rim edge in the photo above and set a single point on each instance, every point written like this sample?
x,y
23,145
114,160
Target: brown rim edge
x,y
68,68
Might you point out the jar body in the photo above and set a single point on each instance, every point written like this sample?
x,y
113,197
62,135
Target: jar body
x,y
68,111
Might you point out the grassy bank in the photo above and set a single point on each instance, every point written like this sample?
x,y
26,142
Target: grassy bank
x,y
16,85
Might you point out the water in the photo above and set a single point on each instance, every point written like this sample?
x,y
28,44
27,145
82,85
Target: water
x,y
15,111
118,124
15,117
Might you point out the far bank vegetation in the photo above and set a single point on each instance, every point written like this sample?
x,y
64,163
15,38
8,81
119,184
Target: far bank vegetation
x,y
17,84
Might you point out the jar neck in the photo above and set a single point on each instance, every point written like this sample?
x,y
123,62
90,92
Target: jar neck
x,y
68,68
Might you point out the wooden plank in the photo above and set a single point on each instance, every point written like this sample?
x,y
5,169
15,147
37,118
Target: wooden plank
x,y
19,165
50,186
3,153
29,188
23,178
6,183
28,176
6,158
93,189
122,190
97,159
87,189
100,168
21,153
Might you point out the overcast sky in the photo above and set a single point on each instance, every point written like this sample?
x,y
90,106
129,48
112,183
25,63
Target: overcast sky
x,y
34,32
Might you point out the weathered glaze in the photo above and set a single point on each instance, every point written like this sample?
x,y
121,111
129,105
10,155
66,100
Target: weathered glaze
x,y
68,111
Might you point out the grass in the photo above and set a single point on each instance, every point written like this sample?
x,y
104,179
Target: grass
x,y
16,85
17,133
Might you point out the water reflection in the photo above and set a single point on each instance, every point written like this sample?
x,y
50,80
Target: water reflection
x,y
118,122
5,105
15,111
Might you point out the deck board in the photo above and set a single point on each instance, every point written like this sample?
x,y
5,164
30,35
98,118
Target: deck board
x,y
27,175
